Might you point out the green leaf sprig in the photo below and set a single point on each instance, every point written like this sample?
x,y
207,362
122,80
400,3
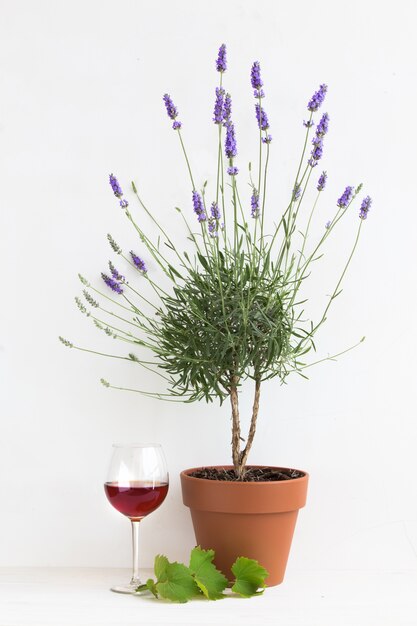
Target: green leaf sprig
x,y
178,583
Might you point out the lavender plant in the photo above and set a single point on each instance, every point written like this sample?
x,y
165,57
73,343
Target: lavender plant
x,y
232,310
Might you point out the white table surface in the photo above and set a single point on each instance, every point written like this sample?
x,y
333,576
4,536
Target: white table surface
x,y
81,597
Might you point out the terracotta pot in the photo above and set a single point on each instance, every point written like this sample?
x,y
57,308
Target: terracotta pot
x,y
252,519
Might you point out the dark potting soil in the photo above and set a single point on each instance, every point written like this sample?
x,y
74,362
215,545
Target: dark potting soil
x,y
252,474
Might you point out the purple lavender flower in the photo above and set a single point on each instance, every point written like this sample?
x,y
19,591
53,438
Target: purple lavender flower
x,y
117,190
116,275
254,202
297,191
215,211
112,283
267,139
227,108
323,125
259,93
218,114
321,130
176,125
317,151
138,262
345,198
308,124
221,61
124,203
262,117
322,181
170,107
212,228
317,99
199,209
255,76
230,146
327,225
366,203
197,202
233,171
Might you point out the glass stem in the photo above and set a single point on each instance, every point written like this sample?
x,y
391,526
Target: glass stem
x,y
135,549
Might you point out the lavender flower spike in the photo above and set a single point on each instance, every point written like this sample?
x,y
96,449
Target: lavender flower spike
x,y
321,130
172,111
345,198
117,190
254,202
112,283
221,61
227,108
212,228
255,76
230,146
199,209
267,139
297,191
138,262
323,125
366,203
116,275
262,117
170,107
317,99
218,114
233,171
322,181
214,210
317,151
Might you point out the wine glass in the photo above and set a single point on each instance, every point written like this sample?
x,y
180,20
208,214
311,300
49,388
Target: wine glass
x,y
136,485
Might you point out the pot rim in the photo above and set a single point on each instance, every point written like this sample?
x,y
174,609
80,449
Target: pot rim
x,y
186,474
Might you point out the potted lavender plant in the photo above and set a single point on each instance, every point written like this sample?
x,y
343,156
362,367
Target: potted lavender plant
x,y
227,311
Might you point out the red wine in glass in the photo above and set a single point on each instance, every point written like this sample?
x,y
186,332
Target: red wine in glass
x,y
136,499
136,485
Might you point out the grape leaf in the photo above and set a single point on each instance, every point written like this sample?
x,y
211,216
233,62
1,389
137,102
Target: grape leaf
x,y
250,576
160,566
179,583
209,579
176,583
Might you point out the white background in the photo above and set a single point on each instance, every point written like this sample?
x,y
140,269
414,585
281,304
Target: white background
x,y
81,86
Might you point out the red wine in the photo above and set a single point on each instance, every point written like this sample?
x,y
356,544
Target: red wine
x,y
137,498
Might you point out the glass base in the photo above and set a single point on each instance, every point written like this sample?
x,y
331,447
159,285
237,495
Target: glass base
x,y
129,588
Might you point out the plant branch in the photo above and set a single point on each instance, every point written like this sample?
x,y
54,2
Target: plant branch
x,y
234,400
255,410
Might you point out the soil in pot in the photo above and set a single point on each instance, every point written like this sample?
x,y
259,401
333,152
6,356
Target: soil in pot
x,y
252,474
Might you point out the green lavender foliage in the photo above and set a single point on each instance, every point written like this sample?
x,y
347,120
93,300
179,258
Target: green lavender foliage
x,y
242,325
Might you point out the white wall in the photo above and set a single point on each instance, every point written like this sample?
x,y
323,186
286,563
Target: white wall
x,y
81,87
